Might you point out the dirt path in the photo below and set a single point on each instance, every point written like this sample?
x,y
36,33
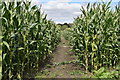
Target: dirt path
x,y
60,55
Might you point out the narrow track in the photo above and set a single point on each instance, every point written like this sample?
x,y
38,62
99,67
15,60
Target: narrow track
x,y
61,54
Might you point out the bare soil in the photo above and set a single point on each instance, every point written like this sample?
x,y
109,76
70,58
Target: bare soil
x,y
61,54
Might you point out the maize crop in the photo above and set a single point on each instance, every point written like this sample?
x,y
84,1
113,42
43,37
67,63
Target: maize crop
x,y
96,36
27,38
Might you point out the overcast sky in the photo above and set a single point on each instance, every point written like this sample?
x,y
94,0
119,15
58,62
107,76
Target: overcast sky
x,y
61,11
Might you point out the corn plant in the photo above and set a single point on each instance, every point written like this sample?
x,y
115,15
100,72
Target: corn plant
x,y
28,38
96,37
103,73
0,44
67,33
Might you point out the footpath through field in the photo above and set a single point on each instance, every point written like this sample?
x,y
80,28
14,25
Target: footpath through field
x,y
62,55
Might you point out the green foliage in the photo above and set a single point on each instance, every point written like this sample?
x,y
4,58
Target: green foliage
x,y
63,27
102,73
28,38
67,33
95,36
75,72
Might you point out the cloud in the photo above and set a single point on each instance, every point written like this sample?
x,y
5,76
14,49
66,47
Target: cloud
x,y
94,0
61,11
35,2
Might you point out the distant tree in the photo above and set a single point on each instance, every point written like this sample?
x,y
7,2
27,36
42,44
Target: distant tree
x,y
68,25
65,24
